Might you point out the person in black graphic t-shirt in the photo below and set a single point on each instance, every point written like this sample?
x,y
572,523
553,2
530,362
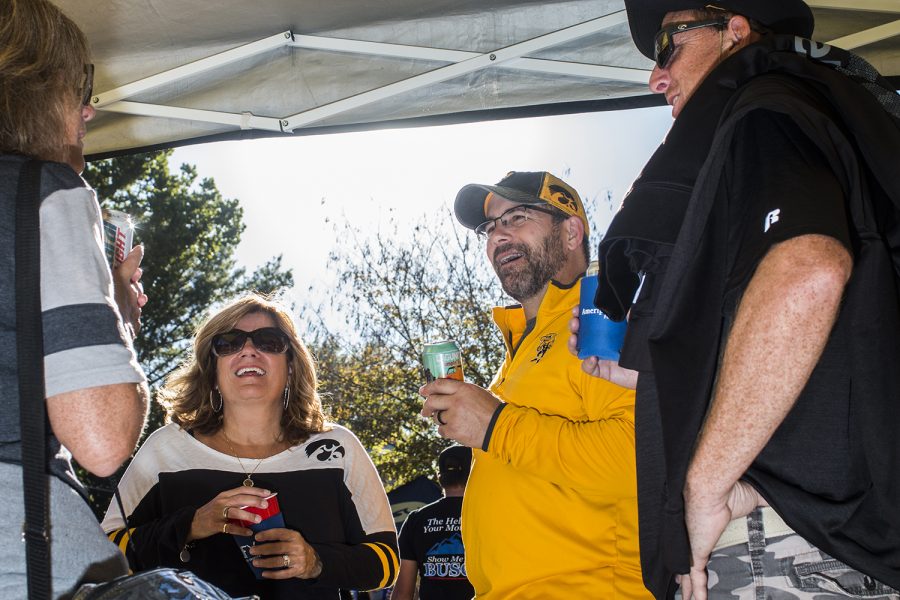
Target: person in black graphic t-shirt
x,y
431,542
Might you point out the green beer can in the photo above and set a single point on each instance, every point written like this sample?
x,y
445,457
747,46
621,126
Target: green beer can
x,y
442,360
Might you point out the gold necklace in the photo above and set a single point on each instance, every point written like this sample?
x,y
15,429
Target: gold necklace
x,y
248,481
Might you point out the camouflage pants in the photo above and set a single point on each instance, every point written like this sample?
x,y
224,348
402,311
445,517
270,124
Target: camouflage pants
x,y
785,568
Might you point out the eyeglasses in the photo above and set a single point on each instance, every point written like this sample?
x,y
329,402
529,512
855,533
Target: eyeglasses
x,y
270,340
664,44
512,218
87,86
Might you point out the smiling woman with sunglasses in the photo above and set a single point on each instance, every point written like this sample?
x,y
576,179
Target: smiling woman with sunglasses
x,y
247,423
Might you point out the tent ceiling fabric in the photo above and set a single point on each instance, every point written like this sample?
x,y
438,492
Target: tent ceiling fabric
x,y
170,72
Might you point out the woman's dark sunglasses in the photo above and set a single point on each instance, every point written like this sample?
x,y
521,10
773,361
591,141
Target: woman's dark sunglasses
x,y
87,87
664,45
270,340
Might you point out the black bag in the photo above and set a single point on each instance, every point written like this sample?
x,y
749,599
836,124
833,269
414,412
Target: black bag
x,y
157,584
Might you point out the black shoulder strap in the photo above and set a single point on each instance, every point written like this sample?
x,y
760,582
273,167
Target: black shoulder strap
x,y
30,367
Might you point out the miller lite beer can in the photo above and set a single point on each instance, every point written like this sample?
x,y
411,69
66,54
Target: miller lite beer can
x,y
442,360
118,231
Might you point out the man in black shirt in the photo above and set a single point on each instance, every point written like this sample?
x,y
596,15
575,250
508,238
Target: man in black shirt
x,y
760,244
430,540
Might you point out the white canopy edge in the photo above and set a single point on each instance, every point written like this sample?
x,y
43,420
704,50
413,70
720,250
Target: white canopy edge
x,y
477,56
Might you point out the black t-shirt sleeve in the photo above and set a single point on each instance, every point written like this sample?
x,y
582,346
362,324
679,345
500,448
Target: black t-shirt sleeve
x,y
406,540
781,186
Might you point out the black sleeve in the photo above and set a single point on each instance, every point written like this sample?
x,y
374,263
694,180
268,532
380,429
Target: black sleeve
x,y
157,539
406,540
781,186
365,556
371,564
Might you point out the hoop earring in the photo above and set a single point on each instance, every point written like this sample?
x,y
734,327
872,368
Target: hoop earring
x,y
212,400
285,397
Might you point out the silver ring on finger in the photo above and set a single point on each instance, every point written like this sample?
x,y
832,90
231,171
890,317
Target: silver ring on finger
x,y
437,417
286,561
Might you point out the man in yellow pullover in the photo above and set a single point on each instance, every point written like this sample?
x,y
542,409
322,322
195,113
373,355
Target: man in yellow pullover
x,y
550,510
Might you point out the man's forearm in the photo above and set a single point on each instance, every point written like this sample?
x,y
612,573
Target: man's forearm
x,y
595,456
779,333
405,587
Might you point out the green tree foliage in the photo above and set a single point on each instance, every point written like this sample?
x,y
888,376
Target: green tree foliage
x,y
397,290
190,233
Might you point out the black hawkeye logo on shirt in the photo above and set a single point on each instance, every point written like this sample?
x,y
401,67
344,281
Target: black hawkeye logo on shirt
x,y
544,345
326,450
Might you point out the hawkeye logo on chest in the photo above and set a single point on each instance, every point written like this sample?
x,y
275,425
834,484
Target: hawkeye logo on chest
x,y
326,450
544,345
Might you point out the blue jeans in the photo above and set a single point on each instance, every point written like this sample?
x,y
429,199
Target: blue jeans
x,y
786,567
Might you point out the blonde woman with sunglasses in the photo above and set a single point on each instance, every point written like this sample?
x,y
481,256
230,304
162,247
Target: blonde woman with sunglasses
x,y
247,438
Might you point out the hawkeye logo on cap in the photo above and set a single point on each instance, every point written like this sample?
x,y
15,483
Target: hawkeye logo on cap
x,y
562,196
557,193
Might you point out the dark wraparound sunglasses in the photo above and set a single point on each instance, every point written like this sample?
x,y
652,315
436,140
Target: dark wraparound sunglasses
x,y
664,45
270,340
87,86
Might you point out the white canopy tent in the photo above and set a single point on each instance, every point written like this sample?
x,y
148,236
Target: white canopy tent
x,y
171,72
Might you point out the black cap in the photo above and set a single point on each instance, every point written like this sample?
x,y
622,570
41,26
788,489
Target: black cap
x,y
524,187
645,17
455,459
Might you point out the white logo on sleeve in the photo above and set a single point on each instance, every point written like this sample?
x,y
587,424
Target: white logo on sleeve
x,y
771,219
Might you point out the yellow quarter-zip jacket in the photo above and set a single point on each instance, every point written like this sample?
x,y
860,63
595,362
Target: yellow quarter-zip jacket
x,y
550,509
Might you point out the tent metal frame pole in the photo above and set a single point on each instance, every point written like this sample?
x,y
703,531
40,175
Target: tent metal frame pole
x,y
868,36
243,120
482,61
537,65
462,63
192,69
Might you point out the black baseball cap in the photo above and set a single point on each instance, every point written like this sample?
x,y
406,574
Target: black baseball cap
x,y
455,459
645,17
524,187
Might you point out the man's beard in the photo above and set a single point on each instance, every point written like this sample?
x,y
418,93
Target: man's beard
x,y
535,268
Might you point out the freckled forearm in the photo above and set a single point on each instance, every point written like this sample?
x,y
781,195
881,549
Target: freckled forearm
x,y
780,331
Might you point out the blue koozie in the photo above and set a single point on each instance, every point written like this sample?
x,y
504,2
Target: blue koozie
x,y
271,518
597,334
